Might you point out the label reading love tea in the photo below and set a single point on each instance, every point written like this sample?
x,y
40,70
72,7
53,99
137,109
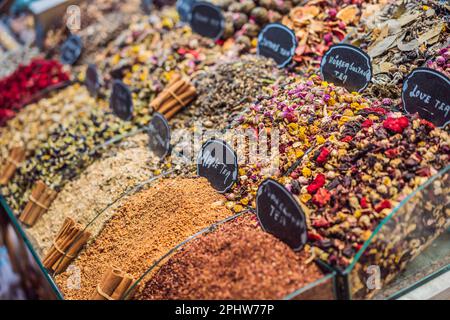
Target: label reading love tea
x,y
92,80
218,163
278,42
426,91
71,50
159,134
207,20
121,101
184,8
347,66
281,215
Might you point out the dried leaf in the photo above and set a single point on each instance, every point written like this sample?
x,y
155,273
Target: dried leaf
x,y
408,46
407,18
436,30
348,15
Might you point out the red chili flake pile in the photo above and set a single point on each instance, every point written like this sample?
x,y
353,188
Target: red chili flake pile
x,y
237,261
21,87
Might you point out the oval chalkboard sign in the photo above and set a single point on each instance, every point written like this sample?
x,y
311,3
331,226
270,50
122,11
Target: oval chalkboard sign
x,y
92,80
121,100
159,134
207,20
426,91
217,162
280,214
278,42
71,50
347,66
184,8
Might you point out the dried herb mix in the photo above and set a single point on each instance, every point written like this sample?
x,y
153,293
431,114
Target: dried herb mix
x,y
32,124
144,228
237,261
118,170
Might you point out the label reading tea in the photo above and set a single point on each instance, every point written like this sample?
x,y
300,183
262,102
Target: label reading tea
x,y
207,20
71,50
347,66
426,91
184,8
278,42
92,80
218,163
159,134
281,215
121,101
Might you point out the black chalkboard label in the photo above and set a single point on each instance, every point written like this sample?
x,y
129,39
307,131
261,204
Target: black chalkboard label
x,y
207,20
92,80
426,91
71,50
159,134
347,66
121,100
278,42
281,215
184,8
218,163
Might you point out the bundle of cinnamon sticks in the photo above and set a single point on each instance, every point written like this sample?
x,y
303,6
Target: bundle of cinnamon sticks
x,y
16,156
114,285
177,95
68,242
40,200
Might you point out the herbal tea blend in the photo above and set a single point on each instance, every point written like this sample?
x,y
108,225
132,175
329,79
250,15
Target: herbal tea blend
x,y
237,261
146,227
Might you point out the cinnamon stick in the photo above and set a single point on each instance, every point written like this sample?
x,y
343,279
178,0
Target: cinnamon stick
x,y
68,242
16,156
32,210
165,94
114,285
185,96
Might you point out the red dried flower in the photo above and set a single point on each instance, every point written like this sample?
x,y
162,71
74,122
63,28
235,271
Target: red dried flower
x,y
347,139
323,156
312,236
367,124
392,153
363,203
318,183
321,197
397,125
385,204
321,223
427,123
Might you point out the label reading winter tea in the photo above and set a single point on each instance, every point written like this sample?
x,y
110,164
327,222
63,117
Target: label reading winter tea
x,y
278,42
121,101
159,134
92,80
426,91
184,8
71,50
280,214
347,66
217,162
207,20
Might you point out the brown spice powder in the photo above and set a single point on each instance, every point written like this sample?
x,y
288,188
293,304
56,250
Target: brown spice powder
x,y
144,229
237,261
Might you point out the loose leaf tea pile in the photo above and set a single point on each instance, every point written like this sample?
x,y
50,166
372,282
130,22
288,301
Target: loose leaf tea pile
x,y
33,124
354,181
299,114
120,169
403,36
66,153
237,261
22,86
145,228
319,24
